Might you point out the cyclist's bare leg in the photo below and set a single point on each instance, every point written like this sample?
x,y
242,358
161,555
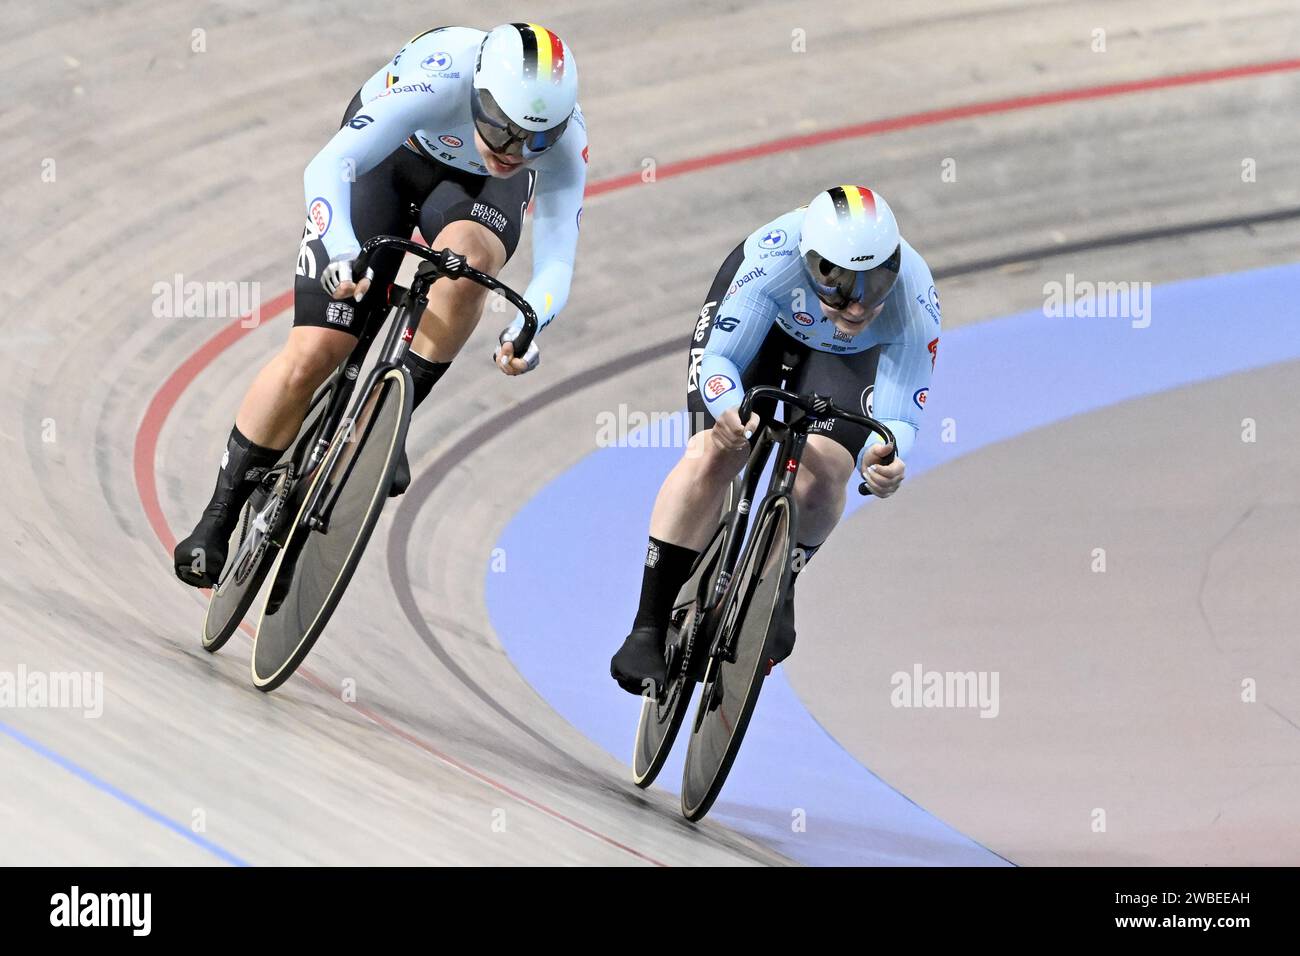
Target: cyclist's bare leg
x,y
276,403
819,488
267,423
690,499
455,306
685,516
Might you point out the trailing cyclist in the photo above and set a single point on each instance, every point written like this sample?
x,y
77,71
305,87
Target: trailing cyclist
x,y
830,299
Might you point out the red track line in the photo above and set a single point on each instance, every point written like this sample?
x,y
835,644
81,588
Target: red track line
x,y
932,117
164,400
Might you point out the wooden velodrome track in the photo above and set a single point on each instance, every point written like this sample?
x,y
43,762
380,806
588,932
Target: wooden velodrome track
x,y
169,162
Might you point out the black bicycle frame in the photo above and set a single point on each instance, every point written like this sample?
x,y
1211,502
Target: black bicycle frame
x,y
437,264
789,438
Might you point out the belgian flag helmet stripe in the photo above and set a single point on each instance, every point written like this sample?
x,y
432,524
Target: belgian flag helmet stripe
x,y
853,202
543,52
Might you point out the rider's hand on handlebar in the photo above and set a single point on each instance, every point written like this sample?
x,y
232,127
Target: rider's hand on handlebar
x,y
337,279
729,434
883,480
505,354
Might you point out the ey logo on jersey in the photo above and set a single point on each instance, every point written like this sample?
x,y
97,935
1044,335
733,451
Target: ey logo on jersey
x,y
773,240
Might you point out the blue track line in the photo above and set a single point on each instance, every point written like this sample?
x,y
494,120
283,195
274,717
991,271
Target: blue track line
x,y
121,796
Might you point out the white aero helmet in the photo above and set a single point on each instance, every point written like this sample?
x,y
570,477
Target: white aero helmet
x,y
850,246
525,88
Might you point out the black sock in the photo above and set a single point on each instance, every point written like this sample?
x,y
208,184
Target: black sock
x,y
803,553
424,375
243,467
667,567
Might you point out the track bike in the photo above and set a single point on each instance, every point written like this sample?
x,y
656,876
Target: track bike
x,y
307,524
723,620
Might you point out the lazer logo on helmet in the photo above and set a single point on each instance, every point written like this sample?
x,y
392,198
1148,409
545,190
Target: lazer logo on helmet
x,y
862,258
524,74
717,385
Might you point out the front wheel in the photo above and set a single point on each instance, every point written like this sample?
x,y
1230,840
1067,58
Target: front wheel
x,y
739,662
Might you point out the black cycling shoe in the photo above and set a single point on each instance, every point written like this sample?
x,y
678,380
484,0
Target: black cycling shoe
x,y
210,538
401,477
640,659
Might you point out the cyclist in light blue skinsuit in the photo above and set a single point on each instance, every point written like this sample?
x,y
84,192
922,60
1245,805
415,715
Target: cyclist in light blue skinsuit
x,y
835,287
467,127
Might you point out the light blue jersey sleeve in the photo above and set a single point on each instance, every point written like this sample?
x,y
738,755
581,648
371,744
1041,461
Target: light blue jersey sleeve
x,y
907,360
561,180
379,127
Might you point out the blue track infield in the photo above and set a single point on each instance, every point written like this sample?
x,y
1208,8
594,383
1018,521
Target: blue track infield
x,y
574,551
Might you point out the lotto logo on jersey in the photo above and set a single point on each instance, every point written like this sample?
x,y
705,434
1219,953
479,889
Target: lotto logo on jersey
x,y
705,320
804,319
320,214
921,395
717,385
773,240
451,142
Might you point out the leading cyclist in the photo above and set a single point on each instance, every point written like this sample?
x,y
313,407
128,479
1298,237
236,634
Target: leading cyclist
x,y
468,126
832,300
